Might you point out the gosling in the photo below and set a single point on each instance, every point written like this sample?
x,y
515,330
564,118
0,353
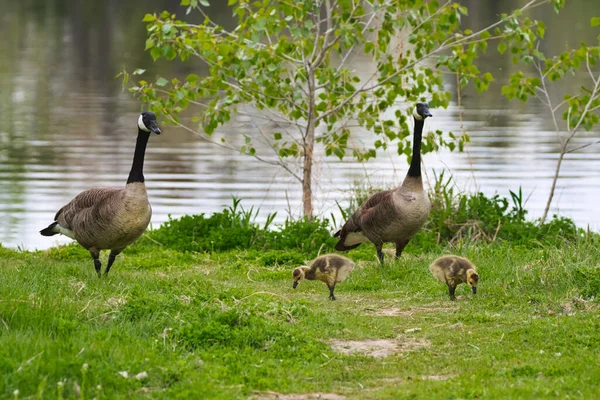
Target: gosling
x,y
454,270
328,268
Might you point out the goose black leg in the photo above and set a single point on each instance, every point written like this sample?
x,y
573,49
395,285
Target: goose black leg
x,y
331,288
400,246
451,289
379,252
97,263
111,260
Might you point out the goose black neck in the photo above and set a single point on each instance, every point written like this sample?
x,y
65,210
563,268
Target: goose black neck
x,y
137,169
415,164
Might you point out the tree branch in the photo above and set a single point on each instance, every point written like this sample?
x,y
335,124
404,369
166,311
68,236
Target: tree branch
x,y
583,146
364,88
281,163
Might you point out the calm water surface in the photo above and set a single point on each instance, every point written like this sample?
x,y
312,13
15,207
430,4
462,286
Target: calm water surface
x,y
65,126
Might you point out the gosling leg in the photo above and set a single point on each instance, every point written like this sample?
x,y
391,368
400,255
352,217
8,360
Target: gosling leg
x,y
451,289
97,264
111,259
331,288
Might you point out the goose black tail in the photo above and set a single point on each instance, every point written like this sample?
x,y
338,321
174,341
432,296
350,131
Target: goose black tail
x,y
49,231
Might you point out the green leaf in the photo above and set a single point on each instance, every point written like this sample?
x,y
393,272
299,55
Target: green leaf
x,y
161,81
149,43
502,47
277,136
595,21
155,53
139,71
149,18
204,3
185,2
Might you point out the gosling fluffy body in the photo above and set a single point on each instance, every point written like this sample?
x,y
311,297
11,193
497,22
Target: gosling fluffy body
x,y
454,270
110,217
328,268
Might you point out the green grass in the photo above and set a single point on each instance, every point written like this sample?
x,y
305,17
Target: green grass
x,y
229,325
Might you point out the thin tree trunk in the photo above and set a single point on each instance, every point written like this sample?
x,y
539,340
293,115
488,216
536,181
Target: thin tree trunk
x,y
307,177
553,188
309,145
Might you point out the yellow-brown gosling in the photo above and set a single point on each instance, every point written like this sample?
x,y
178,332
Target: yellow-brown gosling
x,y
454,270
328,268
110,218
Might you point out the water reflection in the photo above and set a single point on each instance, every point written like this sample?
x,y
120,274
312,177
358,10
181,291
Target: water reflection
x,y
66,126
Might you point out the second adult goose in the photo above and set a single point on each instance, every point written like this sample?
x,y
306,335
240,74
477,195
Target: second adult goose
x,y
111,217
392,215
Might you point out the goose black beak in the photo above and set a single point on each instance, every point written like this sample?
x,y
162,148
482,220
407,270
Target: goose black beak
x,y
154,128
295,284
474,289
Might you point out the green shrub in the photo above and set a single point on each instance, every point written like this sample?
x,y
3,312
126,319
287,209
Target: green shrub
x,y
309,236
235,228
457,217
232,228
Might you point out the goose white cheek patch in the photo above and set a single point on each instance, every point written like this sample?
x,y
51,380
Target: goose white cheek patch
x,y
416,114
141,124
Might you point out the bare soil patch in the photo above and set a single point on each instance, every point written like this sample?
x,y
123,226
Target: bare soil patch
x,y
378,348
397,312
299,396
397,381
437,377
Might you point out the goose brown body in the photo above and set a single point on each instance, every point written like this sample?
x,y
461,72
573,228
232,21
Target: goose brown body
x,y
392,215
107,218
110,218
454,270
328,268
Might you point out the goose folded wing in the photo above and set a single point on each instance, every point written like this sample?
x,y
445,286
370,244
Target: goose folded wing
x,y
354,223
83,201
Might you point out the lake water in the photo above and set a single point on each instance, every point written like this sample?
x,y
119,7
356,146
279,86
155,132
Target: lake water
x,y
65,126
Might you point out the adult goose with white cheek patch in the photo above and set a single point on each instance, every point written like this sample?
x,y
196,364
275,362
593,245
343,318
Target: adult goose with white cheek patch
x,y
394,215
110,218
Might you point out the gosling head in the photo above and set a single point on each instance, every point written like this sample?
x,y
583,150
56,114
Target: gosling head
x,y
298,275
472,280
421,111
147,122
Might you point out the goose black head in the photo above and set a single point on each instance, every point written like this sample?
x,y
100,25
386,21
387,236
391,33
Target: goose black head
x,y
421,111
147,122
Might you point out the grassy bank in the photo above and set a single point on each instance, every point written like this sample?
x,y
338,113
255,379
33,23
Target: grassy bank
x,y
229,325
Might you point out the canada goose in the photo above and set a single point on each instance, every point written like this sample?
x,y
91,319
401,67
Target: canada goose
x,y
454,270
328,268
112,217
392,215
